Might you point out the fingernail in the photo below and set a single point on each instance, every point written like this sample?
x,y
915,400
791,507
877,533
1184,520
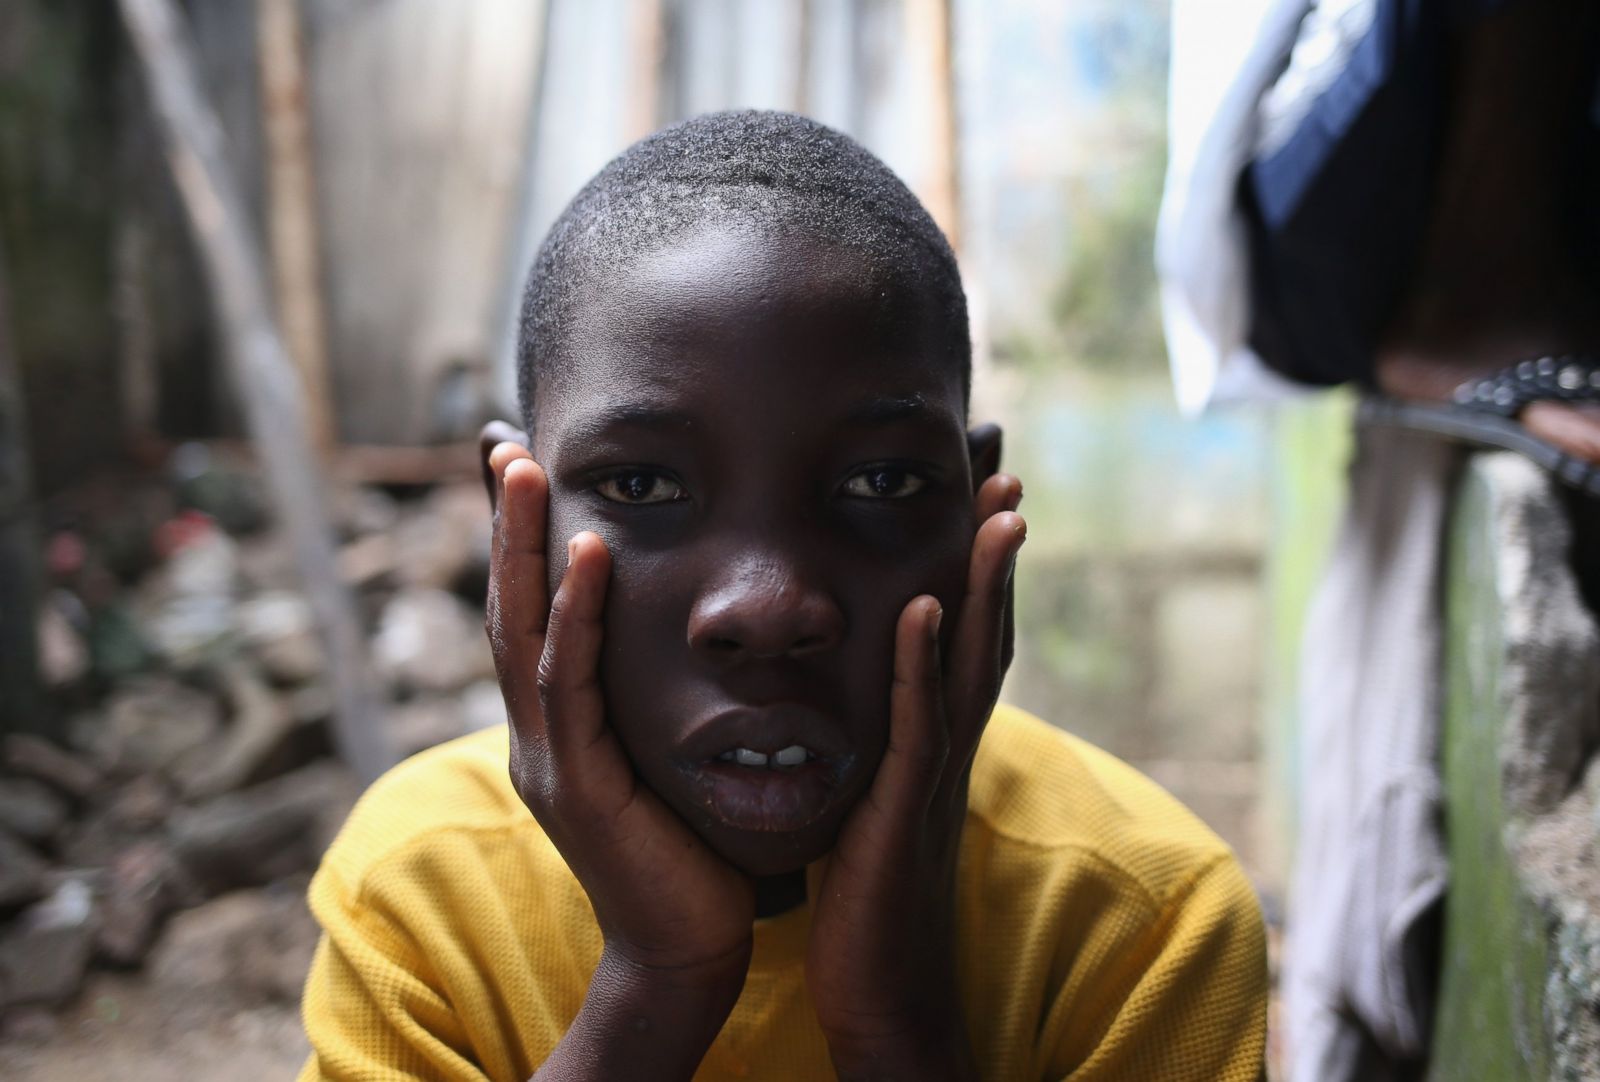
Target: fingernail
x,y
934,621
572,548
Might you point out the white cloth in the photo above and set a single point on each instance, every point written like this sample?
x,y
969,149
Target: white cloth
x,y
1225,59
1370,860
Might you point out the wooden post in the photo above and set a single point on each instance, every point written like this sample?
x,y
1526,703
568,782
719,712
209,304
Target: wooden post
x,y
292,208
20,700
647,46
929,31
263,373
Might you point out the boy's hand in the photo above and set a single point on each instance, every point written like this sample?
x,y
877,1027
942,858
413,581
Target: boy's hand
x,y
676,918
881,962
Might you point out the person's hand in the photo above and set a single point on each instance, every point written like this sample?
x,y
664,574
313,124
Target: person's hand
x,y
676,919
880,966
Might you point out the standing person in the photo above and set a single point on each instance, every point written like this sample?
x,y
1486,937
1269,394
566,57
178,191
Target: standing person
x,y
1400,195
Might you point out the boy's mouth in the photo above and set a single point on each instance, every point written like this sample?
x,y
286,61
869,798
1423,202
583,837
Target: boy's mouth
x,y
774,769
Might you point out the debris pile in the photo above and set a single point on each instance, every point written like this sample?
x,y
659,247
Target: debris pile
x,y
173,827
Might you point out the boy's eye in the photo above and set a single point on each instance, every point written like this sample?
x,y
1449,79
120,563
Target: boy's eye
x,y
884,483
639,486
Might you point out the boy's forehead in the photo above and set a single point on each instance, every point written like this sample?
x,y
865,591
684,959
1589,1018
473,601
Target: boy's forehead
x,y
724,304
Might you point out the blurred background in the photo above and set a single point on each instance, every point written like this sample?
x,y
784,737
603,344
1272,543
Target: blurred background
x,y
167,788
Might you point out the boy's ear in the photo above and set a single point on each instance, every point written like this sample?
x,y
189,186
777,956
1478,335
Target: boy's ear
x,y
493,435
983,445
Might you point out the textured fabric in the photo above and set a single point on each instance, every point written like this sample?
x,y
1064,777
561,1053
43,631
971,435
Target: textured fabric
x,y
1105,933
1371,866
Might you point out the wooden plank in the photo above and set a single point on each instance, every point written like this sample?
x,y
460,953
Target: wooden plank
x,y
263,374
294,242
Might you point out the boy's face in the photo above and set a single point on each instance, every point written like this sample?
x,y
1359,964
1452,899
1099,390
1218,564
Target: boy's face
x,y
773,449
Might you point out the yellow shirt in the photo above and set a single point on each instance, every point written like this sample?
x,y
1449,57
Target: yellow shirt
x,y
1105,933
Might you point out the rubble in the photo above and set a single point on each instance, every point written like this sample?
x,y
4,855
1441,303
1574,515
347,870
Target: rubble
x,y
36,757
430,640
156,723
45,954
281,631
441,544
261,722
22,873
259,834
63,652
258,942
144,883
173,833
30,810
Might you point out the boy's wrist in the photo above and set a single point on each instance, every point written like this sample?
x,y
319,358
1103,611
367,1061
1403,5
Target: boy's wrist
x,y
640,1021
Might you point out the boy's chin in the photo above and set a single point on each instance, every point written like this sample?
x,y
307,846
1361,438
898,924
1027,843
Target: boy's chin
x,y
764,854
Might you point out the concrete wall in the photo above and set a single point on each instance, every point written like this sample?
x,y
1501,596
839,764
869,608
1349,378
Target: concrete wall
x,y
1520,987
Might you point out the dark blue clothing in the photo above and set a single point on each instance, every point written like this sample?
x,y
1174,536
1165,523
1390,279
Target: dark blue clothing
x,y
1338,211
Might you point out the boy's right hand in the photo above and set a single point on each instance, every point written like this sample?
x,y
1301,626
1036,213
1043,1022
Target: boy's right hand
x,y
675,917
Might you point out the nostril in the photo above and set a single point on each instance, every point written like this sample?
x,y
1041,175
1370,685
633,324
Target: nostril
x,y
722,645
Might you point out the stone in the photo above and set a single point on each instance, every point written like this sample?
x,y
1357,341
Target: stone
x,y
30,810
32,1026
419,724
483,706
358,510
260,724
265,832
37,758
22,873
255,942
442,540
188,631
429,640
45,954
266,563
63,652
144,802
187,606
281,630
144,883
369,560
156,723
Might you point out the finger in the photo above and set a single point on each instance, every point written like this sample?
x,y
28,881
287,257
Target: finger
x,y
491,436
977,652
915,756
1002,492
501,456
569,668
517,608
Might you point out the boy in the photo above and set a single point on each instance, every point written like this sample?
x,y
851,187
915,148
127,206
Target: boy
x,y
745,692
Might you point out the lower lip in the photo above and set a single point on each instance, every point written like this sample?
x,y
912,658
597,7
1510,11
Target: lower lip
x,y
764,799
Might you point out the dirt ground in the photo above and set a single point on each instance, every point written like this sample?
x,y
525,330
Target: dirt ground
x,y
124,1029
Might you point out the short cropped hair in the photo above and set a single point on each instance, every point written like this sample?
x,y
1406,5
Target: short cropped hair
x,y
767,170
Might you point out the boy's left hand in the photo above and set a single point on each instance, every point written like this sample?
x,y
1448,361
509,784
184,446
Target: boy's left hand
x,y
881,965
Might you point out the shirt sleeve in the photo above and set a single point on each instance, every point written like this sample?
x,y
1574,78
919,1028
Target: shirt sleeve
x,y
370,1010
1196,1005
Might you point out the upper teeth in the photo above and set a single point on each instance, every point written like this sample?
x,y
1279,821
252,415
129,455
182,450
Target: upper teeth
x,y
793,755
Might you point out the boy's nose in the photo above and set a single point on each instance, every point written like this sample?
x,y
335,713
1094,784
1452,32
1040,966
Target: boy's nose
x,y
763,612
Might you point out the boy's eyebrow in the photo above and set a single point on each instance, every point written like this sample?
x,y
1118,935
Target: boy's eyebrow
x,y
625,415
894,408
